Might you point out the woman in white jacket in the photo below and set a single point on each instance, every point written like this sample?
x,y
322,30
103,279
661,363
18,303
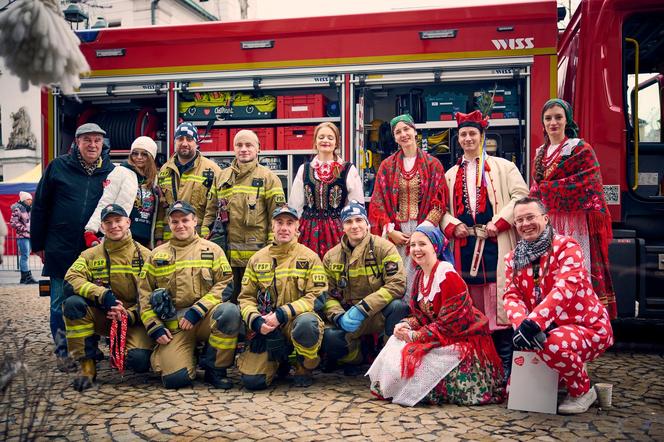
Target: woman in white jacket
x,y
132,186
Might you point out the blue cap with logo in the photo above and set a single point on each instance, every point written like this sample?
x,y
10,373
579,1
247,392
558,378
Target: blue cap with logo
x,y
285,210
186,130
181,206
113,209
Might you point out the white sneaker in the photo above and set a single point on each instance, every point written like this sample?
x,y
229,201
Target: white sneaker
x,y
577,405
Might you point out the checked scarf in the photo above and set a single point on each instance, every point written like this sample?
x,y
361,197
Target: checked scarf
x,y
526,252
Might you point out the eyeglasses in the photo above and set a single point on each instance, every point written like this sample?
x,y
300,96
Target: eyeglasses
x,y
527,218
137,153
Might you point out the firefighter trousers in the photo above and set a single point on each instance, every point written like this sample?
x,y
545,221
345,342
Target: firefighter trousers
x,y
341,346
304,333
219,328
85,323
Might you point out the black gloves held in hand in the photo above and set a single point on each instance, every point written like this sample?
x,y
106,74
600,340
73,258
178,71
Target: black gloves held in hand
x,y
529,336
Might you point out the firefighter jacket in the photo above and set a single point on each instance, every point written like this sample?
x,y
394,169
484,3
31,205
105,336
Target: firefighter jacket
x,y
250,193
194,271
123,260
370,276
287,277
192,186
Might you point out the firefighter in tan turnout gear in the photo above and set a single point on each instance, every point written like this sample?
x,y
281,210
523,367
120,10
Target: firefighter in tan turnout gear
x,y
181,290
283,286
242,202
186,176
104,283
366,280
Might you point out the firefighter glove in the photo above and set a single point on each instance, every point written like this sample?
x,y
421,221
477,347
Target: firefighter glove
x,y
351,320
108,300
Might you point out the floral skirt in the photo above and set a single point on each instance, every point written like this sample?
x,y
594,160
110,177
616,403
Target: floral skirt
x,y
320,234
469,383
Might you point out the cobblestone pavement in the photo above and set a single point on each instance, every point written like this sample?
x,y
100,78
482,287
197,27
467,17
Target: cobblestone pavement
x,y
336,407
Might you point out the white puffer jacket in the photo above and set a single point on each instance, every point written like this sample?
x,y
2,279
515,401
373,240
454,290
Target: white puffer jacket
x,y
121,189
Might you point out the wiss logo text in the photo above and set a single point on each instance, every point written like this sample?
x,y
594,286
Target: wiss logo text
x,y
515,43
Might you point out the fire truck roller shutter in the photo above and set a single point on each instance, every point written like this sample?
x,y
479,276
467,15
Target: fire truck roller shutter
x,y
124,127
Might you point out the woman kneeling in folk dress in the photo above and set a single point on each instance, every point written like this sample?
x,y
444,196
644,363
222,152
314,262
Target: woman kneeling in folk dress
x,y
447,354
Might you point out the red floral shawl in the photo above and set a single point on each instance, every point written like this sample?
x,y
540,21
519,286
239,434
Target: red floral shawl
x,y
385,199
574,186
453,321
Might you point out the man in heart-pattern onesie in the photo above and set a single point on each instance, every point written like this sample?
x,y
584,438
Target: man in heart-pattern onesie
x,y
551,304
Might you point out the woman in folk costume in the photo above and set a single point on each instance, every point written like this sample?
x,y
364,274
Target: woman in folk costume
x,y
322,188
569,183
479,218
448,356
410,189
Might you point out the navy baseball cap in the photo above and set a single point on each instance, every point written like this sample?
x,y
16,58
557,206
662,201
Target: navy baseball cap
x,y
113,209
182,206
285,210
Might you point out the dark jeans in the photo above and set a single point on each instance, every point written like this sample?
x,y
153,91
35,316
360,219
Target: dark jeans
x,y
57,321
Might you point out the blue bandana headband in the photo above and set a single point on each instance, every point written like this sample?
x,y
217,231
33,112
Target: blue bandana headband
x,y
438,241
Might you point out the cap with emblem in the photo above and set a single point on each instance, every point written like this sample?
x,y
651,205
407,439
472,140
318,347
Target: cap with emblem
x,y
182,206
113,209
285,210
186,130
89,128
354,208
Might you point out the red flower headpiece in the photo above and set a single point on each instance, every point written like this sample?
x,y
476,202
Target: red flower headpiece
x,y
473,119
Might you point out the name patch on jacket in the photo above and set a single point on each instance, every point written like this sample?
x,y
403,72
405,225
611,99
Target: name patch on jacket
x,y
319,280
98,263
207,255
257,182
391,268
337,267
263,267
161,258
302,264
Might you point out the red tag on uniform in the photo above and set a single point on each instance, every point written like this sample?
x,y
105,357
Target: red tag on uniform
x,y
106,183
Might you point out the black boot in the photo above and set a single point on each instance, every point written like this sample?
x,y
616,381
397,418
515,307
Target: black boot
x,y
22,281
29,279
503,341
217,377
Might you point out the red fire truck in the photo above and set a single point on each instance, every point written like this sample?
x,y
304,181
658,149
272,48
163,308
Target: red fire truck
x,y
282,77
611,68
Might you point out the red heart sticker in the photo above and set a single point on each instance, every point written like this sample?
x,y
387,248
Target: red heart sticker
x,y
206,111
519,361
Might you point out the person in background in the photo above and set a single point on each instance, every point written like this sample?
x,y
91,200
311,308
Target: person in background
x,y
66,197
552,305
132,186
410,189
3,234
569,183
20,221
320,190
479,222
